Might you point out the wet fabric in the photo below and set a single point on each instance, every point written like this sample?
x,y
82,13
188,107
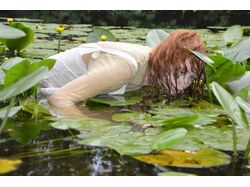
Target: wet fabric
x,y
109,70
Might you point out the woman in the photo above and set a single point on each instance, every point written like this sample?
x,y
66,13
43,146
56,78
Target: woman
x,y
115,68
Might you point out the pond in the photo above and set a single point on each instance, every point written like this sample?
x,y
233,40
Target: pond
x,y
130,135
46,151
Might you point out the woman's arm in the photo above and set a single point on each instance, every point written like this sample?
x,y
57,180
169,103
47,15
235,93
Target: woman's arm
x,y
105,74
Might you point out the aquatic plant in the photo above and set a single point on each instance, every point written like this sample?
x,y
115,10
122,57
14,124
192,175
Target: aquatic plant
x,y
18,76
17,44
59,30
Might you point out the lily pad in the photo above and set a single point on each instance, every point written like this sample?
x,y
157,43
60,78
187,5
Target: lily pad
x,y
25,131
7,165
217,138
168,138
199,159
174,173
111,101
178,121
132,117
79,124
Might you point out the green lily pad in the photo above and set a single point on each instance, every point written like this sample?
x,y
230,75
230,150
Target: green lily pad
x,y
132,117
79,124
168,138
25,131
178,121
111,101
218,138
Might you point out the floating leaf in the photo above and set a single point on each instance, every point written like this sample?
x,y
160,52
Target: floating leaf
x,y
178,121
131,149
173,173
199,159
7,165
230,105
79,124
26,130
206,115
168,138
214,137
155,36
233,34
135,117
111,101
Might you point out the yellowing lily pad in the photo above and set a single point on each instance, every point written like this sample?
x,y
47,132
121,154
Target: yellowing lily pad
x,y
173,173
8,165
199,159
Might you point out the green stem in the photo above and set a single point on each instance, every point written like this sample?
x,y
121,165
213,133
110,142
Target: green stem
x,y
247,149
12,101
234,140
208,88
59,42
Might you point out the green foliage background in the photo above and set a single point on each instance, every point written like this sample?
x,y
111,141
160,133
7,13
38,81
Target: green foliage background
x,y
138,18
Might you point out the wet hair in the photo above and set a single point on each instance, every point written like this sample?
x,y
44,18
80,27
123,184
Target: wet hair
x,y
169,57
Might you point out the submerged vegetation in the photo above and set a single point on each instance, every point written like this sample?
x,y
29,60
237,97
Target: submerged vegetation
x,y
184,134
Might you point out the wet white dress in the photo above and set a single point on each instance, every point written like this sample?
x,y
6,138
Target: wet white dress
x,y
93,69
70,65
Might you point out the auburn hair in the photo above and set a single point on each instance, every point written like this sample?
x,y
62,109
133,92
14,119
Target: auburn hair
x,y
169,57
